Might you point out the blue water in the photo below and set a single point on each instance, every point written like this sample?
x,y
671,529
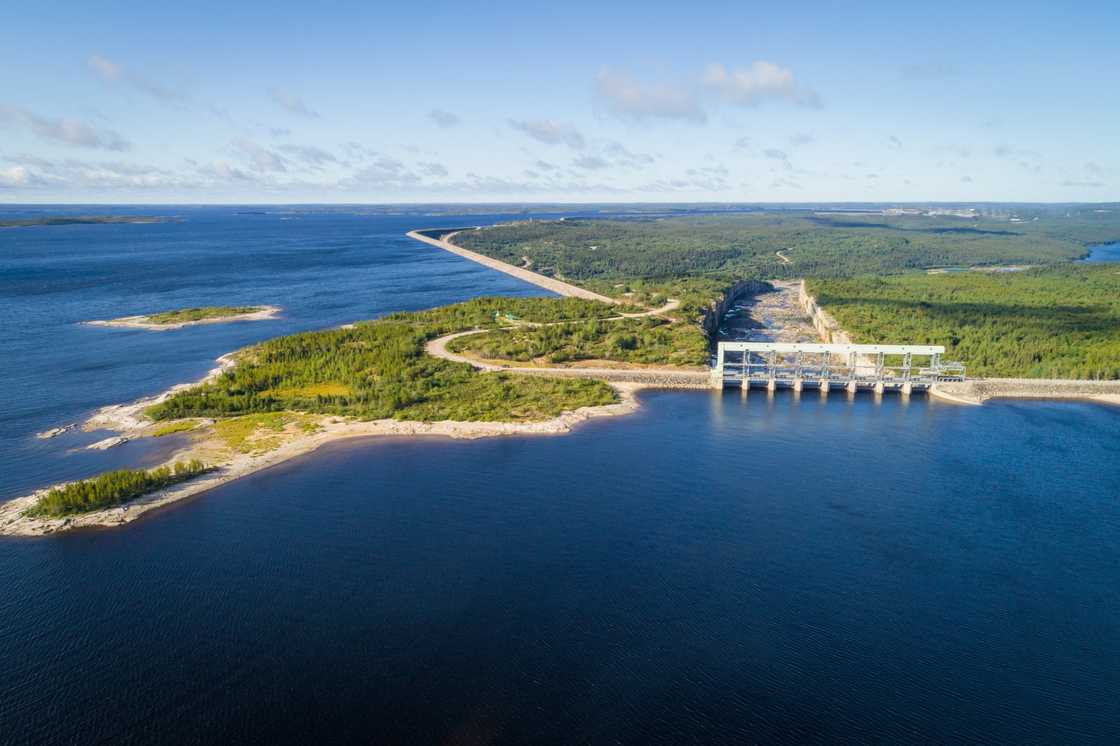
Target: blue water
x,y
1105,252
713,568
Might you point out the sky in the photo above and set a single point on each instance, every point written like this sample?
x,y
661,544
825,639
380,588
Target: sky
x,y
375,102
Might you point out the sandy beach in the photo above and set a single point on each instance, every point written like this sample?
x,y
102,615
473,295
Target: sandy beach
x,y
144,322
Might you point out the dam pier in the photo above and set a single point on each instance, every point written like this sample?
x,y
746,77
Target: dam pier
x,y
801,365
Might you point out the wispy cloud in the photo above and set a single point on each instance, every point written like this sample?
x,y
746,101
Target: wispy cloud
x,y
66,131
115,72
590,162
292,104
550,132
313,157
628,99
261,159
761,81
444,119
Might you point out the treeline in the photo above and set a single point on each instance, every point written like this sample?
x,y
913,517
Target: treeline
x,y
645,341
379,369
112,488
1058,322
744,245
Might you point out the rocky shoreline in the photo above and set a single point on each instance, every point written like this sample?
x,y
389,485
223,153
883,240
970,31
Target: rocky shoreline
x,y
128,421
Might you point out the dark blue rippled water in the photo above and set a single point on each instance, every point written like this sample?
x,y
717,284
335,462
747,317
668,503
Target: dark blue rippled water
x,y
711,569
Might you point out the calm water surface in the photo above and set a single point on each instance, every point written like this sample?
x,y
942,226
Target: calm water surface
x,y
711,569
1105,252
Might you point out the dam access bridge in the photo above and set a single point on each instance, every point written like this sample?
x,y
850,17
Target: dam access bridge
x,y
797,365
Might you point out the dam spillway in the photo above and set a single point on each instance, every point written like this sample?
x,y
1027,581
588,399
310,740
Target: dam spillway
x,y
798,365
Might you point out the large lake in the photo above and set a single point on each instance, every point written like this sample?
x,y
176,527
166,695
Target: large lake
x,y
713,568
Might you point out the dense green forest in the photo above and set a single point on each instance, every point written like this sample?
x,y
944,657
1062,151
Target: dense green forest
x,y
727,247
112,488
378,369
1060,322
648,340
187,315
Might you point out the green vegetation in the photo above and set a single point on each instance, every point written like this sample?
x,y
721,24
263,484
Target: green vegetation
x,y
171,428
112,488
648,340
1059,322
188,315
729,247
379,369
260,433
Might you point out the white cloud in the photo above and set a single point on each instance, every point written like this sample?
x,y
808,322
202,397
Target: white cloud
x,y
292,104
590,162
115,72
67,131
14,176
550,132
444,119
801,138
627,98
761,81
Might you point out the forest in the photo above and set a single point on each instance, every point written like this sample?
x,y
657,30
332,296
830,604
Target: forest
x,y
1055,322
378,369
1057,319
112,488
729,247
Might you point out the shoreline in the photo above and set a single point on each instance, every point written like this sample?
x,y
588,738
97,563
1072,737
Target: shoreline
x,y
333,429
141,322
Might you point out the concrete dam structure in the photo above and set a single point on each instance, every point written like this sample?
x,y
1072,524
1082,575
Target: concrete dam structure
x,y
795,365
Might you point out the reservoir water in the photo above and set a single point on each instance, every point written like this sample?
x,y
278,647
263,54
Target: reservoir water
x,y
713,568
1105,252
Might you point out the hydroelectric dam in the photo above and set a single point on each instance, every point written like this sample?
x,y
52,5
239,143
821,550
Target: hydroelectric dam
x,y
800,365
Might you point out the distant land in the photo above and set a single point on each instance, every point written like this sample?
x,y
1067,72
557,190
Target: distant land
x,y
85,220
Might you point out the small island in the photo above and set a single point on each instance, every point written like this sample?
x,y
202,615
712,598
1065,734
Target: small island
x,y
179,318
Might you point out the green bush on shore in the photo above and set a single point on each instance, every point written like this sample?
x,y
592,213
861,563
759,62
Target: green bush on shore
x,y
112,488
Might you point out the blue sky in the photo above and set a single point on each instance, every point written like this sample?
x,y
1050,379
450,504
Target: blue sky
x,y
572,102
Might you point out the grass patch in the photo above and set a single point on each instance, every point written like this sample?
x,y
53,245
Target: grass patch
x,y
179,426
310,391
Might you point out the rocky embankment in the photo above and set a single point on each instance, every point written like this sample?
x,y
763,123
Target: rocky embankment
x,y
733,295
980,390
830,332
